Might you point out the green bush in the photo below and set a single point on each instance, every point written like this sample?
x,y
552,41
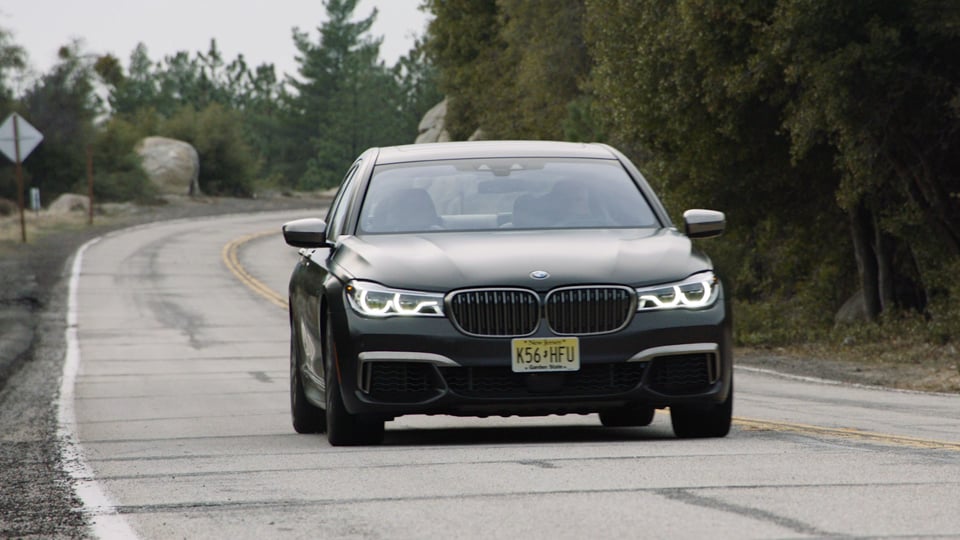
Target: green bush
x,y
227,163
785,323
777,323
126,183
118,175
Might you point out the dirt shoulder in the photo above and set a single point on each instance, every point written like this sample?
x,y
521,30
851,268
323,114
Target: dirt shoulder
x,y
936,371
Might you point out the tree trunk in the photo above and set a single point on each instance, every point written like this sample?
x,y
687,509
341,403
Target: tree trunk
x,y
860,228
884,257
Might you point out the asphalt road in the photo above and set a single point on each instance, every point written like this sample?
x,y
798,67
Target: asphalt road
x,y
175,408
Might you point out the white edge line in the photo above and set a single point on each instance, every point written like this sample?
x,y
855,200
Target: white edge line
x,y
105,521
831,382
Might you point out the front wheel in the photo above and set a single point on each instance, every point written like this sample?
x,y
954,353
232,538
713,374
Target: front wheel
x,y
343,428
699,421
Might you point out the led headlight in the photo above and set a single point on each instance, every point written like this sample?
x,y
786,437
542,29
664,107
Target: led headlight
x,y
373,300
697,291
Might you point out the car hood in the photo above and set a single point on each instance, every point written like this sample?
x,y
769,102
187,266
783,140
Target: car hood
x,y
450,260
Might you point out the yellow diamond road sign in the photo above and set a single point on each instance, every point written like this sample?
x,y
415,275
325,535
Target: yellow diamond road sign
x,y
28,135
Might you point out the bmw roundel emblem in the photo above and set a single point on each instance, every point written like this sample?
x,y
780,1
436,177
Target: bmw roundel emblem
x,y
539,274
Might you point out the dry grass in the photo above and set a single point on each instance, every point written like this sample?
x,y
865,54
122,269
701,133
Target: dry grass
x,y
44,222
905,349
38,225
900,362
894,363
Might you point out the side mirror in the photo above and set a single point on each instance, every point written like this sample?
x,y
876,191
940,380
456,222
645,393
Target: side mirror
x,y
703,223
305,233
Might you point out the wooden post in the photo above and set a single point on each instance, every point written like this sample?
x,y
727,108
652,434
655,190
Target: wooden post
x,y
19,173
90,184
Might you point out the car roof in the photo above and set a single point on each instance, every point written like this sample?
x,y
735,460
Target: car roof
x,y
491,149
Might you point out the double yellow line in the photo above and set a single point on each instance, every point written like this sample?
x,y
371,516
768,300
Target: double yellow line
x,y
231,259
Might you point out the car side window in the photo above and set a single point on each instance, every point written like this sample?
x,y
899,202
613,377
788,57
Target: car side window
x,y
339,208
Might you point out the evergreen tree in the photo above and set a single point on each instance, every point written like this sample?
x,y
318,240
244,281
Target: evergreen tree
x,y
512,68
62,105
345,99
463,43
878,82
801,119
417,79
12,59
134,90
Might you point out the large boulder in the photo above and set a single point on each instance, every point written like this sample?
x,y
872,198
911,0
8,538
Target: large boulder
x,y
69,202
431,128
173,166
854,310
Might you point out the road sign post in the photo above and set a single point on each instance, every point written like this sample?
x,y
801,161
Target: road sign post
x,y
16,152
17,139
90,184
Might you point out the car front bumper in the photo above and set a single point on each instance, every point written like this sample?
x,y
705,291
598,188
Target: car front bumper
x,y
424,365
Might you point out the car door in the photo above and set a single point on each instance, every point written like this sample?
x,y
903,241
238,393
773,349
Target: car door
x,y
315,272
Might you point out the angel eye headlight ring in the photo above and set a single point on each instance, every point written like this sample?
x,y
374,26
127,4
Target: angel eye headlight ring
x,y
374,300
696,292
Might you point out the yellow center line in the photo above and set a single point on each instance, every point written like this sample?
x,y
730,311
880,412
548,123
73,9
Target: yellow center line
x,y
230,258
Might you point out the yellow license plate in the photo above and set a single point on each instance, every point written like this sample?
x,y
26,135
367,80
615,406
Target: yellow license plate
x,y
546,354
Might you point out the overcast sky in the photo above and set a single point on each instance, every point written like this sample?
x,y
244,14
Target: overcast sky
x,y
261,31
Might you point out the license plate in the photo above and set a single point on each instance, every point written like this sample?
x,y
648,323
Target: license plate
x,y
546,354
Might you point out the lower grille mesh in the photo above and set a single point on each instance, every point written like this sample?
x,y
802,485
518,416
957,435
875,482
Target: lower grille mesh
x,y
683,374
412,382
402,382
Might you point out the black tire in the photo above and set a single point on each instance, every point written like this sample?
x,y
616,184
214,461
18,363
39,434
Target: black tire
x,y
629,416
698,422
343,428
306,417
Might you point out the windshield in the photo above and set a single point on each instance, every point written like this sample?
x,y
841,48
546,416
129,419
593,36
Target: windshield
x,y
495,194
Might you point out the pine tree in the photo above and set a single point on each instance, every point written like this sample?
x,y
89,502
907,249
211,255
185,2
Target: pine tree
x,y
345,98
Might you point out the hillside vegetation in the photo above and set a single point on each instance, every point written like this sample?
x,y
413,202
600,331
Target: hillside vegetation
x,y
827,132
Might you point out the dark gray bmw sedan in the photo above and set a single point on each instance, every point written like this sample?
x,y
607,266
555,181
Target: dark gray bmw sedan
x,y
504,278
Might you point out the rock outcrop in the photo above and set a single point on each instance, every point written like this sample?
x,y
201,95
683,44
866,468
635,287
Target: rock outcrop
x,y
853,310
431,128
69,202
173,166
